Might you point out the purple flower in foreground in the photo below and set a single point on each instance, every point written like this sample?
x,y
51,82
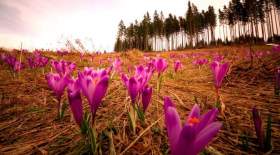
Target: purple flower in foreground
x,y
258,126
57,83
196,133
75,101
177,65
219,71
94,85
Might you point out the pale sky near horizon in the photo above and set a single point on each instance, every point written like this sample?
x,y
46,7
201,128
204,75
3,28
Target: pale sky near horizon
x,y
47,23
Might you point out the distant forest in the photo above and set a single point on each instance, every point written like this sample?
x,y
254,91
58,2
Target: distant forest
x,y
241,21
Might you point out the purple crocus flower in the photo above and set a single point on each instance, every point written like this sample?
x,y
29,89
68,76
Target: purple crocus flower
x,y
219,71
258,126
218,58
31,63
146,97
117,65
75,100
17,66
133,89
200,62
43,61
195,134
143,74
57,83
160,65
63,68
177,65
138,82
94,85
39,60
137,85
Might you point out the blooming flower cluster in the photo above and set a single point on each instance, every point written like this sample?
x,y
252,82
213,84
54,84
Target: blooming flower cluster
x,y
137,85
37,60
12,61
200,62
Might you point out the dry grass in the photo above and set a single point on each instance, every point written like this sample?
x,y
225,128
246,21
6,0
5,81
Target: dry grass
x,y
27,108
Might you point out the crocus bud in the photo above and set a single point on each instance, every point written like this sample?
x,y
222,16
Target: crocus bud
x,y
75,101
258,126
219,72
146,97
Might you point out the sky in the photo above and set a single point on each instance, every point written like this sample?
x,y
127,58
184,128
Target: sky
x,y
48,23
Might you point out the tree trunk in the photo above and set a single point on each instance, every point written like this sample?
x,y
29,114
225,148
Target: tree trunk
x,y
262,27
275,21
272,27
182,33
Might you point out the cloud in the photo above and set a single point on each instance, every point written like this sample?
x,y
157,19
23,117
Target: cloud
x,y
10,19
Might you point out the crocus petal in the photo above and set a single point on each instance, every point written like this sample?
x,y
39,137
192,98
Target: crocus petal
x,y
75,101
195,112
146,97
185,143
206,119
167,103
99,93
205,136
221,73
84,82
173,125
258,125
57,83
133,89
139,69
125,80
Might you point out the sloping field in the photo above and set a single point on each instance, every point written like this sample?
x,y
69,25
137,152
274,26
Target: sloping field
x,y
28,122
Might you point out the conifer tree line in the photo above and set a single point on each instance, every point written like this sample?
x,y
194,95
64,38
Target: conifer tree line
x,y
241,21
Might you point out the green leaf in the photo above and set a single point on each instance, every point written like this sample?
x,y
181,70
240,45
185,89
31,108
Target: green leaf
x,y
132,119
91,140
141,114
63,109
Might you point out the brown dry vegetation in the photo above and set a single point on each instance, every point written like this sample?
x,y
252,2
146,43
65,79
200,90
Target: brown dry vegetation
x,y
27,107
